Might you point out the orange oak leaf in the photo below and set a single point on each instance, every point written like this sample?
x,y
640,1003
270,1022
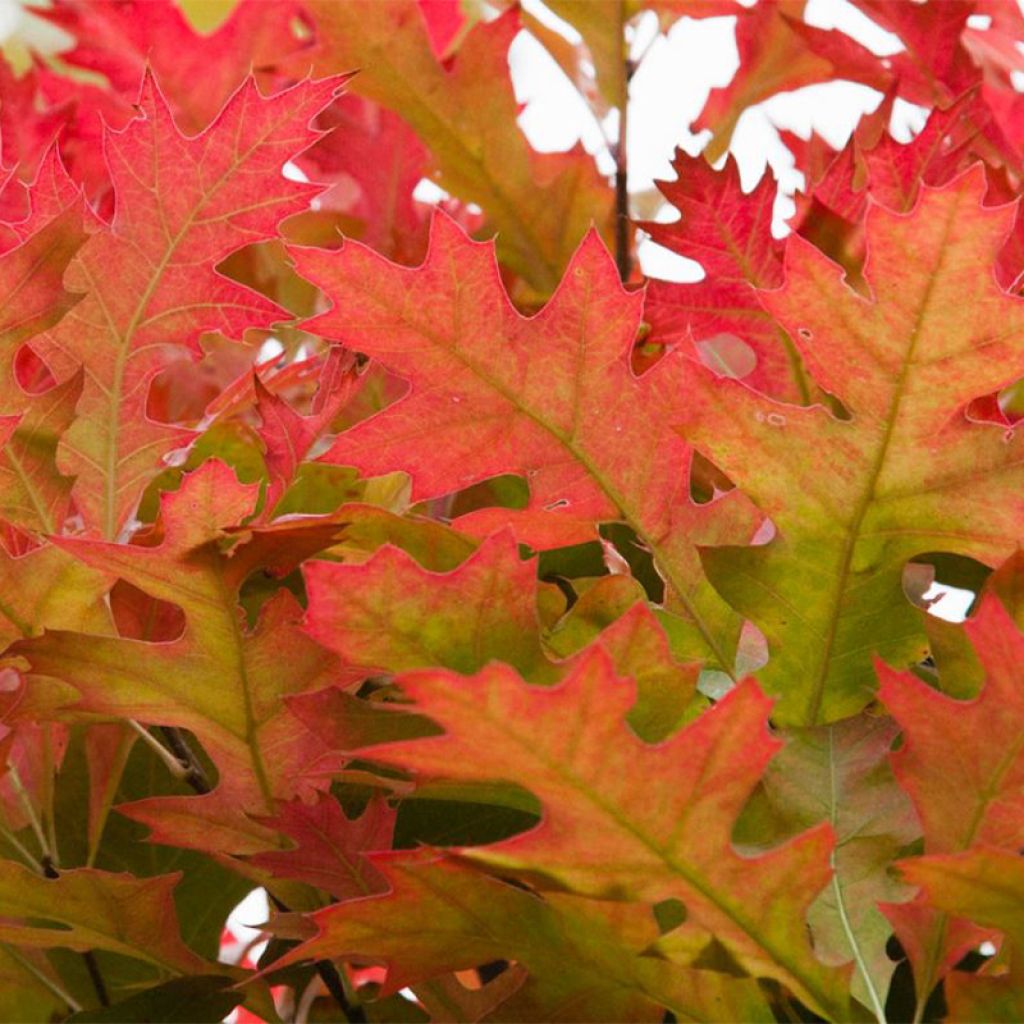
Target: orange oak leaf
x,y
221,680
89,909
602,836
962,763
903,471
33,495
552,397
985,885
388,614
581,956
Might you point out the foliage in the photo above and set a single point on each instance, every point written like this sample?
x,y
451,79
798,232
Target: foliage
x,y
550,644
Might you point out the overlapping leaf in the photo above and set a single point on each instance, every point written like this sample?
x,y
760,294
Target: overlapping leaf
x,y
729,233
32,494
602,837
962,763
183,204
581,956
552,398
903,473
220,680
94,910
465,113
840,774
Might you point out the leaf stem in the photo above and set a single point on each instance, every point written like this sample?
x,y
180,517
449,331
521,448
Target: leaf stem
x,y
195,774
49,818
16,843
73,1005
331,977
192,772
30,813
877,1008
48,869
174,764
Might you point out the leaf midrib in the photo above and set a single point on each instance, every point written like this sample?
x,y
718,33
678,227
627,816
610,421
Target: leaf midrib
x,y
561,773
123,342
629,516
853,530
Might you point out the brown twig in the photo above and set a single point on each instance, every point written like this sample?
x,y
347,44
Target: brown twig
x,y
623,247
196,777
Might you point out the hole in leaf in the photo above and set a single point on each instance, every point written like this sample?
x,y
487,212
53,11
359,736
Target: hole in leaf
x,y
31,372
506,491
264,267
727,355
488,972
669,914
945,585
707,481
637,557
578,561
715,957
834,406
260,586
138,616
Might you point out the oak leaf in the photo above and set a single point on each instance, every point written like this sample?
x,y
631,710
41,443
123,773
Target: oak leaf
x,y
465,112
602,837
183,204
552,398
903,472
220,680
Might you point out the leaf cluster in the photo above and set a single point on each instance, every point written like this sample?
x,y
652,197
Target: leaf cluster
x,y
548,643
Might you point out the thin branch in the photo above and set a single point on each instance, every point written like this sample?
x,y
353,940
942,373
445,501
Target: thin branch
x,y
45,865
623,246
96,977
331,978
196,777
195,774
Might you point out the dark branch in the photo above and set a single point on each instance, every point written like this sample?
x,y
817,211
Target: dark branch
x,y
195,774
331,978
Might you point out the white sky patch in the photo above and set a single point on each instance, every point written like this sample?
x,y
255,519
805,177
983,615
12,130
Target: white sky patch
x,y
427,191
293,172
253,910
269,351
952,603
670,89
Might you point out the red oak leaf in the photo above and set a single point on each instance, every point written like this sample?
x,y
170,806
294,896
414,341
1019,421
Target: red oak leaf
x,y
963,765
601,837
552,397
329,848
729,233
122,39
183,204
